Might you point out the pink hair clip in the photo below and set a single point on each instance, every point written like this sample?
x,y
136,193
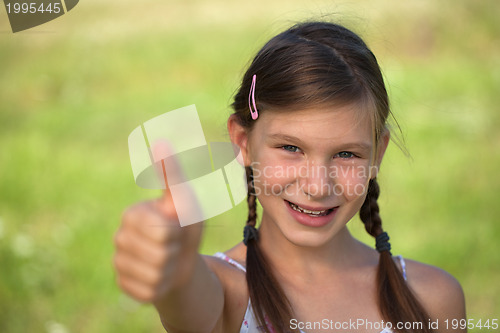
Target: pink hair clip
x,y
251,99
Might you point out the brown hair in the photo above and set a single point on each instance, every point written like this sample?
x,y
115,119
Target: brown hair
x,y
319,63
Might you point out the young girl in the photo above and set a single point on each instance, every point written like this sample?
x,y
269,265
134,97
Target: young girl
x,y
310,122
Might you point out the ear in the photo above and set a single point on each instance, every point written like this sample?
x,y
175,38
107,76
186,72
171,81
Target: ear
x,y
239,137
381,148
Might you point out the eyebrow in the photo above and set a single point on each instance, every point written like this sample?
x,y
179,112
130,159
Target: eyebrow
x,y
285,137
294,139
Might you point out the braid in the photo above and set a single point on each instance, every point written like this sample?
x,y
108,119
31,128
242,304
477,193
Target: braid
x,y
397,302
369,212
270,305
251,199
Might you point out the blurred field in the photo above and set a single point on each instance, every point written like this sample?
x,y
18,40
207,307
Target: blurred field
x,y
73,89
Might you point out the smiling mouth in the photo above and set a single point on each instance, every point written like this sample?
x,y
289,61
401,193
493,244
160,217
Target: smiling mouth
x,y
314,213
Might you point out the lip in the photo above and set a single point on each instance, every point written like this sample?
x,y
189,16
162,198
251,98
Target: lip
x,y
311,221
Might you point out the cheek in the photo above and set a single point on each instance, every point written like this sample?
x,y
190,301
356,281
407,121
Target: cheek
x,y
352,179
272,177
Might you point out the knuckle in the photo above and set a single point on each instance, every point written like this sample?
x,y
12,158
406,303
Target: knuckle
x,y
118,262
123,283
135,213
128,214
120,239
137,291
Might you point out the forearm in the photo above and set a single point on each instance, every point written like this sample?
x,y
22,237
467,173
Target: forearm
x,y
195,304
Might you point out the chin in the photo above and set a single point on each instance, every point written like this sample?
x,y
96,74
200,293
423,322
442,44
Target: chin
x,y
311,239
305,236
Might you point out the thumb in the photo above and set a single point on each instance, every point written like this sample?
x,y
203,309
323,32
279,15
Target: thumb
x,y
179,200
168,172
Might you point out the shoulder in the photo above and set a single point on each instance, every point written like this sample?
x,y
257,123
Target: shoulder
x,y
438,291
234,286
232,278
234,262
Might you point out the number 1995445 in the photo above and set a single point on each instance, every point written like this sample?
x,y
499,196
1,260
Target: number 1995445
x,y
32,8
471,324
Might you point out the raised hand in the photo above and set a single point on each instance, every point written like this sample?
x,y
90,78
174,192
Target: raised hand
x,y
154,254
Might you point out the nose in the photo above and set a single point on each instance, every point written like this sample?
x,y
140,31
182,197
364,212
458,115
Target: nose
x,y
318,181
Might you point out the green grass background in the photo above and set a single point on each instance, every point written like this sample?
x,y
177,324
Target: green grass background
x,y
73,89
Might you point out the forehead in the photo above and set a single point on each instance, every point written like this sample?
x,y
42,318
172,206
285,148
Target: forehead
x,y
333,123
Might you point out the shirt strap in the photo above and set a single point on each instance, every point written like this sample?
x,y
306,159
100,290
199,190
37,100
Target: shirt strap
x,y
231,261
403,266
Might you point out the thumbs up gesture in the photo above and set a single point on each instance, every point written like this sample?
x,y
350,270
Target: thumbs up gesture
x,y
154,253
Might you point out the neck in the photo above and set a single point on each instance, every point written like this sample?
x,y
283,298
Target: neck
x,y
339,254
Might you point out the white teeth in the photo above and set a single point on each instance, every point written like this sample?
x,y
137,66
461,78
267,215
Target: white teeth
x,y
307,211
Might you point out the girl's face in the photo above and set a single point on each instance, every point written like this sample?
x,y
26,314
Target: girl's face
x,y
311,169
